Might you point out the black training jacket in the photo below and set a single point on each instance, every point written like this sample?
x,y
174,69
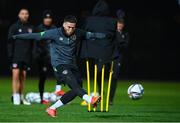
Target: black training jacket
x,y
18,49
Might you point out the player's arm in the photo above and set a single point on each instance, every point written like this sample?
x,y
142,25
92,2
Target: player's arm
x,y
11,33
46,35
10,42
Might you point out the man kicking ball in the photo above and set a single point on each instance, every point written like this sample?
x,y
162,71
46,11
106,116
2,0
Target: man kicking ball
x,y
63,59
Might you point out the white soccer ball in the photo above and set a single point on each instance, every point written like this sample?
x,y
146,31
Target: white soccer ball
x,y
37,98
135,91
33,97
29,97
46,96
53,97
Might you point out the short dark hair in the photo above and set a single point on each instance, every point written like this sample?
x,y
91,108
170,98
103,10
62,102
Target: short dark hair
x,y
70,18
23,9
120,21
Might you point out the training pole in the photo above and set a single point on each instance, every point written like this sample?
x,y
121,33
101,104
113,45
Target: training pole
x,y
102,87
95,81
109,86
88,82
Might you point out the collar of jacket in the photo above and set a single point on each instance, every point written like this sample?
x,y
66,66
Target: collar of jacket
x,y
47,27
20,22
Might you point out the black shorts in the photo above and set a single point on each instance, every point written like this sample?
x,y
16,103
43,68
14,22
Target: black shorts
x,y
43,65
67,70
20,65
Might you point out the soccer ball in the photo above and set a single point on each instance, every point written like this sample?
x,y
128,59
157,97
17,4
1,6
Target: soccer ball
x,y
53,97
46,96
33,97
135,91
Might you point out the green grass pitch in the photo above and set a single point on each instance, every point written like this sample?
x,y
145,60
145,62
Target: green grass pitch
x,y
161,102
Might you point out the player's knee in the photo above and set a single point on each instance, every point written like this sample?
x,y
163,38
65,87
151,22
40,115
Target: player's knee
x,y
15,73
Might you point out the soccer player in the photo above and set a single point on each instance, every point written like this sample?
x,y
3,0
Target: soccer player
x,y
42,55
63,59
19,53
121,42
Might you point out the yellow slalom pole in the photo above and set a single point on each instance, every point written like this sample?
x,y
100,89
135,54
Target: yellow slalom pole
x,y
102,87
88,83
95,81
109,87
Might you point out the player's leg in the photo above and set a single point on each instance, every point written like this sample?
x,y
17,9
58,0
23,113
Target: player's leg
x,y
80,82
69,76
42,69
76,90
58,88
22,80
116,72
15,80
23,74
99,72
78,76
67,97
15,84
71,80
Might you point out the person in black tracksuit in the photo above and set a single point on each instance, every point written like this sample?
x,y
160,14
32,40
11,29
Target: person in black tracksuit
x,y
121,42
100,21
42,53
19,53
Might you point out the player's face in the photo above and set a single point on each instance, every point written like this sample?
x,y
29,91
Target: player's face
x,y
120,26
47,21
69,28
24,15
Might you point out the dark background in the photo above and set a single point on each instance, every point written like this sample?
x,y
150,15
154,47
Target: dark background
x,y
153,25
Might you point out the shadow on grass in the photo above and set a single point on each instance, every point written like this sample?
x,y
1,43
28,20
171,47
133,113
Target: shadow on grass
x,y
110,116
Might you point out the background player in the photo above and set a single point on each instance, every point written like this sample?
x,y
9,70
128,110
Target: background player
x,y
19,52
120,42
42,55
